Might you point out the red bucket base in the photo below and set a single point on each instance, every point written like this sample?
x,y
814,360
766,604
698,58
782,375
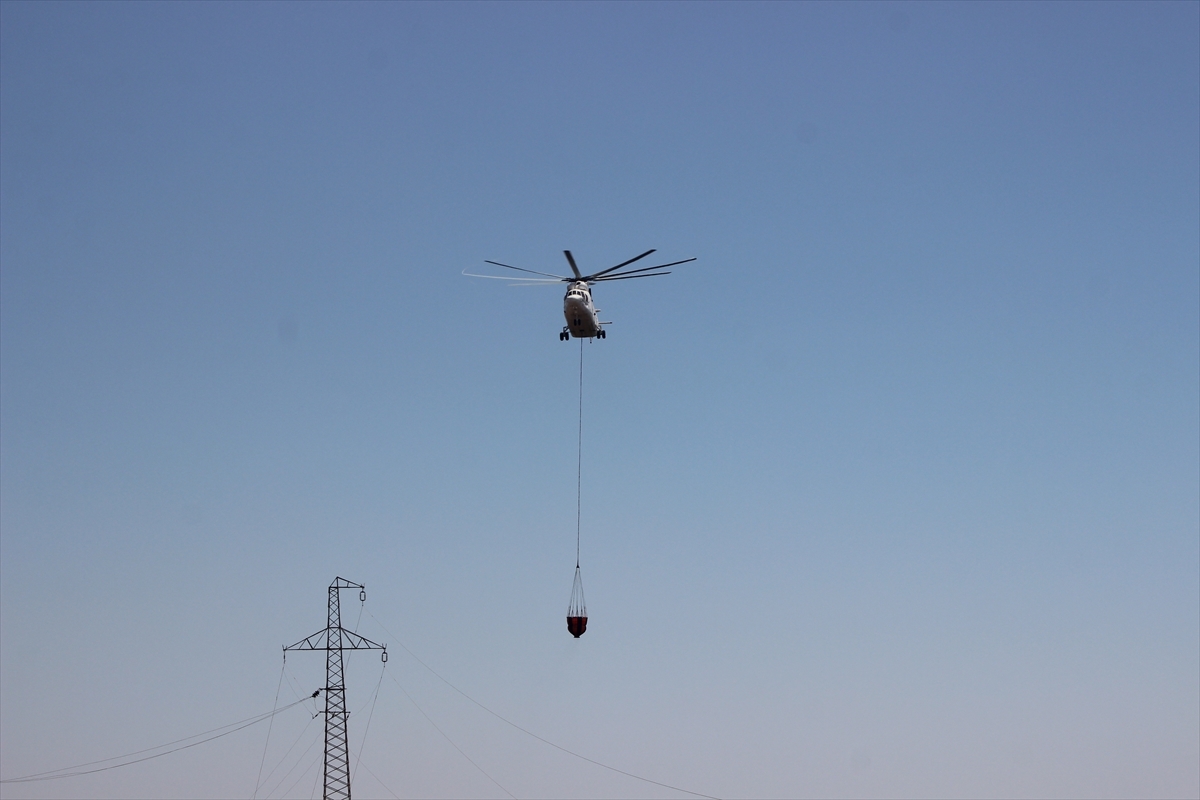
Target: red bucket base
x,y
577,625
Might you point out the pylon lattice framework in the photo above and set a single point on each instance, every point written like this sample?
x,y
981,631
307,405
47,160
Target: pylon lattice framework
x,y
333,640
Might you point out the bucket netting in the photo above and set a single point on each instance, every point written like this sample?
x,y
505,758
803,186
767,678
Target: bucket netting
x,y
577,610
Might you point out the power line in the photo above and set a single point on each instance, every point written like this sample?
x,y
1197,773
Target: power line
x,y
300,777
531,733
67,772
300,760
447,738
278,686
381,783
367,729
282,760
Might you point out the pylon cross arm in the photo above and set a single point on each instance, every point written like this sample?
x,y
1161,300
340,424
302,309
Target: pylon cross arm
x,y
315,642
352,641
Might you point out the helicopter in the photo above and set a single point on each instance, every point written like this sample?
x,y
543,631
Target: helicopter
x,y
583,318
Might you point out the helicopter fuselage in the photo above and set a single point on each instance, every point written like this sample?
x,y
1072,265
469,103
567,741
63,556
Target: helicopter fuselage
x,y
580,313
583,318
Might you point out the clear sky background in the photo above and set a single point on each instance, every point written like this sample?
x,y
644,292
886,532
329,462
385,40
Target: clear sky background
x,y
894,492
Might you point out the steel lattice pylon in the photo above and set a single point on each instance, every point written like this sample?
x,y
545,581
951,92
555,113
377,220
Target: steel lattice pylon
x,y
333,640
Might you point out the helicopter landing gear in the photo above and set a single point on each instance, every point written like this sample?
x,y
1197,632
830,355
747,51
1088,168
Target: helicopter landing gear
x,y
602,334
564,334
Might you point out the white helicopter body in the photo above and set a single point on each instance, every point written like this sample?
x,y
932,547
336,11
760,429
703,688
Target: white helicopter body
x,y
583,320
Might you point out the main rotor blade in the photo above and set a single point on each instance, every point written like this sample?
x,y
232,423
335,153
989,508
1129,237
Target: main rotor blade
x,y
674,263
623,277
647,269
523,281
618,266
571,261
522,269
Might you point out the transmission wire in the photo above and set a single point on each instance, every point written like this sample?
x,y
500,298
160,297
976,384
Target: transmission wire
x,y
285,775
369,716
381,783
299,761
55,774
530,733
267,743
294,684
447,738
316,780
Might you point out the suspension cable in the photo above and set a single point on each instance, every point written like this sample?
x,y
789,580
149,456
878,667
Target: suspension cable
x,y
579,460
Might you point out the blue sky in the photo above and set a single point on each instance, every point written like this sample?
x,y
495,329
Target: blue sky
x,y
894,492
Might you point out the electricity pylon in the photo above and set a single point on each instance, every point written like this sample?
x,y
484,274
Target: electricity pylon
x,y
333,640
